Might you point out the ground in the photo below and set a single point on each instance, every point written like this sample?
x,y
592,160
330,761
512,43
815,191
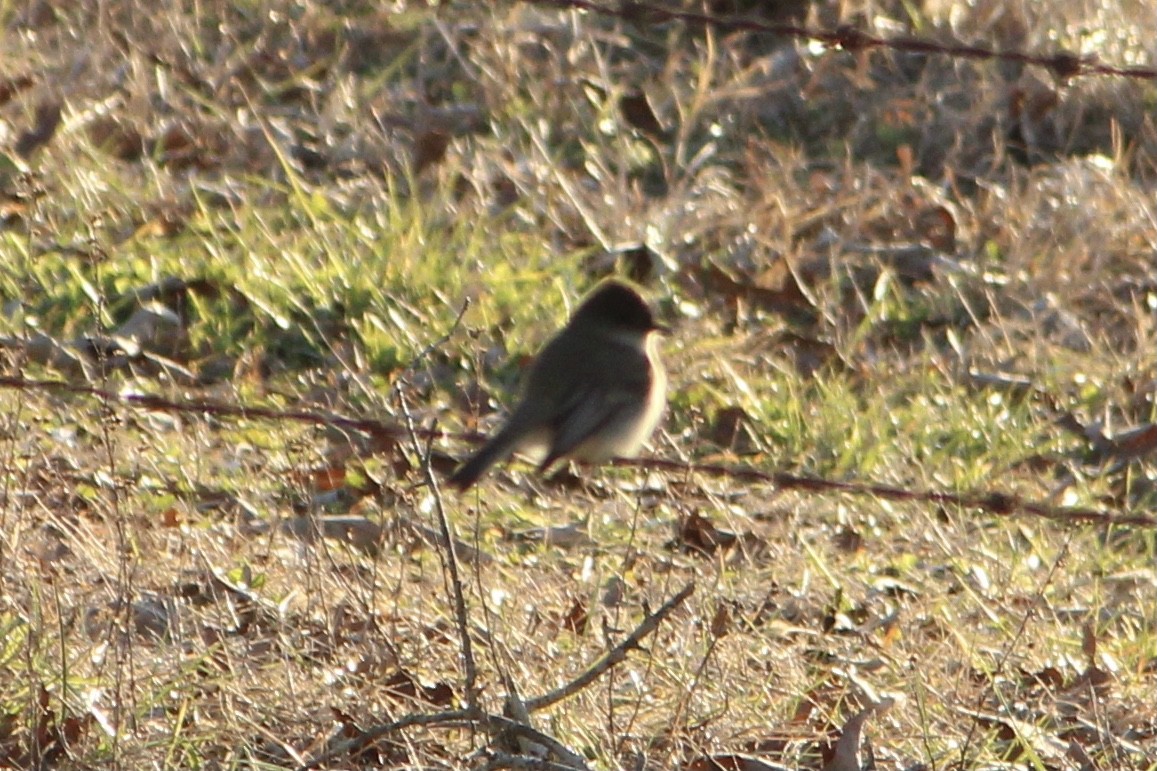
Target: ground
x,y
272,268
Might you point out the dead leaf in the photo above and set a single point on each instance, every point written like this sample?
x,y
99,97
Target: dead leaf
x,y
321,479
1089,643
111,136
45,125
429,149
10,87
721,622
847,755
575,620
637,112
698,534
936,226
731,429
405,685
848,540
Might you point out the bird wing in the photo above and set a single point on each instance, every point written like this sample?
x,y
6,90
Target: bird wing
x,y
587,413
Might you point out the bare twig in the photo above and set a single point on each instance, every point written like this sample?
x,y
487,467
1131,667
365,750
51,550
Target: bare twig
x,y
473,716
355,745
458,718
613,656
570,758
469,666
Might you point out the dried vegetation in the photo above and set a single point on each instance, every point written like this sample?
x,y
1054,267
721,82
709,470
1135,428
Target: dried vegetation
x,y
918,270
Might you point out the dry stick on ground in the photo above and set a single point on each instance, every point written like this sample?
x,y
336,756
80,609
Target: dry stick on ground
x,y
614,655
998,503
495,723
469,666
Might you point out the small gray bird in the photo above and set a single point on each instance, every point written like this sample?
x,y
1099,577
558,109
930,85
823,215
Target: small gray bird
x,y
594,392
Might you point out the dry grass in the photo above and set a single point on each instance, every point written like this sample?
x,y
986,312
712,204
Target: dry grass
x,y
848,246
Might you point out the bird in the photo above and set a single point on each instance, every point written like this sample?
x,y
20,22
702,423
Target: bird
x,y
595,391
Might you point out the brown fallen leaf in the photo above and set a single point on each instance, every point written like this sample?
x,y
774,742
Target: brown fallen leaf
x,y
429,149
10,87
321,479
43,128
575,619
721,621
698,534
775,290
731,429
112,136
636,110
937,227
405,685
852,752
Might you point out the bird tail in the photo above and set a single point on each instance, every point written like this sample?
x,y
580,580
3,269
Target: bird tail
x,y
497,449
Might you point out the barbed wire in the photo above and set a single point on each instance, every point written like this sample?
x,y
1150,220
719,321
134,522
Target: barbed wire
x,y
996,503
1065,65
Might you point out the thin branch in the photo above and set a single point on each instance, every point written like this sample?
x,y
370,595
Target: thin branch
x,y
469,666
474,717
355,745
613,656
